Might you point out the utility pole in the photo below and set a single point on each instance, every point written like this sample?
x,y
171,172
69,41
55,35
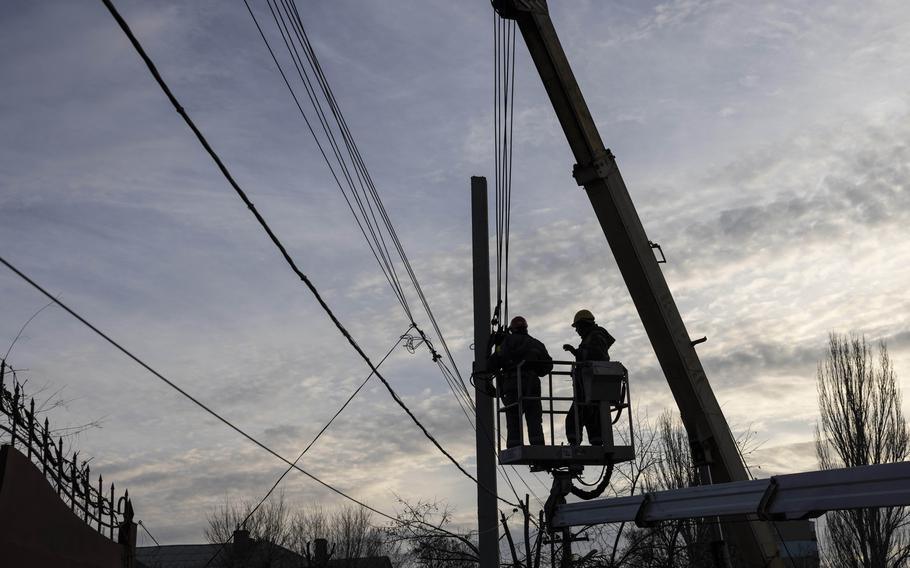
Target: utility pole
x,y
487,522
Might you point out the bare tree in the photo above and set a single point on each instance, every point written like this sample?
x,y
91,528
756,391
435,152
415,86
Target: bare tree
x,y
662,461
861,423
617,543
425,529
676,544
271,524
348,530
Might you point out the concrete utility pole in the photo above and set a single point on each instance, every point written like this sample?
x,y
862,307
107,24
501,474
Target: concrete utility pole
x,y
487,522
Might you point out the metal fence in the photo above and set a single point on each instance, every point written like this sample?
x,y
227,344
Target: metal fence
x,y
100,509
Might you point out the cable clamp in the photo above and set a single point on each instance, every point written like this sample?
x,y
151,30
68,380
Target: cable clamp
x,y
640,521
601,167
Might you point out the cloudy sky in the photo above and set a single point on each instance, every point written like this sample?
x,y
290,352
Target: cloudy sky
x,y
764,144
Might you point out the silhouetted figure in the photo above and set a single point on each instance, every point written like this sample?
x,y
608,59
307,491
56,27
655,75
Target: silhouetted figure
x,y
595,346
511,349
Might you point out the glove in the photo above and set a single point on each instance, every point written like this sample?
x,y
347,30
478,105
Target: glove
x,y
569,348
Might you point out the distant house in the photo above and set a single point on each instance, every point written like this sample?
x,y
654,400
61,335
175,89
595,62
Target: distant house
x,y
246,552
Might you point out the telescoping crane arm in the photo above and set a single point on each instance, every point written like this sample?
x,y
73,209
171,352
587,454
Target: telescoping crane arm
x,y
713,446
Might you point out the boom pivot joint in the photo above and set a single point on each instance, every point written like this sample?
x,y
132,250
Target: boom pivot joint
x,y
601,167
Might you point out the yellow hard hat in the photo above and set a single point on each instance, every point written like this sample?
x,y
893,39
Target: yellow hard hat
x,y
582,315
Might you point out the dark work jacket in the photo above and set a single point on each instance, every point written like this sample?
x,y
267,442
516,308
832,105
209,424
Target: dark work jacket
x,y
518,347
595,345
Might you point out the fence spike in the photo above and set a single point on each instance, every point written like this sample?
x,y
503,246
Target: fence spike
x,y
112,511
100,501
2,381
81,493
86,501
73,485
44,436
59,451
31,427
14,410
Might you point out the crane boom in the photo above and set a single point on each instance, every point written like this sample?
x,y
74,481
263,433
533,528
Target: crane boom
x,y
714,449
783,497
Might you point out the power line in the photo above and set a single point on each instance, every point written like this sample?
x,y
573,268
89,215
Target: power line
x,y
180,390
293,33
363,175
141,524
282,18
504,37
316,69
204,407
284,253
375,239
306,449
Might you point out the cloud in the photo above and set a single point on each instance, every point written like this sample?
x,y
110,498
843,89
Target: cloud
x,y
781,222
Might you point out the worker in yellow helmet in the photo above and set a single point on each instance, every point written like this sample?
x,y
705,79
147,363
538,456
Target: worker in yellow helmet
x,y
595,346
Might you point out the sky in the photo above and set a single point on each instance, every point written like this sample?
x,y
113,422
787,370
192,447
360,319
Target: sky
x,y
764,145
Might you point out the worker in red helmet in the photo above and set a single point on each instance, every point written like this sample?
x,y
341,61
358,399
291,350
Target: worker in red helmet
x,y
517,354
595,346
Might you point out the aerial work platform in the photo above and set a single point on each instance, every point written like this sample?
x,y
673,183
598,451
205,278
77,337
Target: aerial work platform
x,y
592,386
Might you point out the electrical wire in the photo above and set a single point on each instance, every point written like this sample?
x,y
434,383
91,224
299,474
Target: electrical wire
x,y
206,408
596,483
504,38
361,166
278,244
283,14
364,178
141,524
597,491
287,19
363,193
306,449
180,390
780,537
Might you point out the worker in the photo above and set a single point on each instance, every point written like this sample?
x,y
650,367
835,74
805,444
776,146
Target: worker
x,y
516,353
595,346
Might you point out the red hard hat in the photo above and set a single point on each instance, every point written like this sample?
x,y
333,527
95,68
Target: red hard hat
x,y
518,322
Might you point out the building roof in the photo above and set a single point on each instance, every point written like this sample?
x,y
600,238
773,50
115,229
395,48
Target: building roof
x,y
369,562
176,556
197,555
